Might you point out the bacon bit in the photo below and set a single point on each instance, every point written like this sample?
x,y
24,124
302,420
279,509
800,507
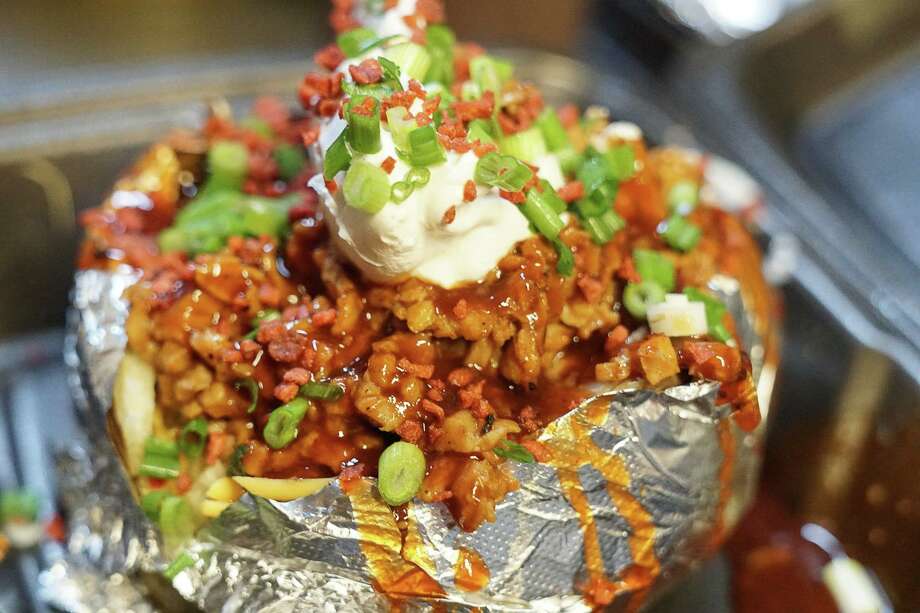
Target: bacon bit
x,y
700,353
155,483
538,450
616,338
432,408
365,108
430,106
463,53
461,377
568,115
410,430
249,348
515,197
367,72
449,215
309,136
285,350
231,356
422,371
297,376
329,57
403,99
422,120
388,164
471,394
591,288
475,109
452,128
460,145
323,318
627,271
482,408
317,87
571,191
308,357
481,149
328,108
215,447
432,11
461,309
332,186
351,473
527,418
56,529
269,294
183,483
286,392
416,88
340,18
434,394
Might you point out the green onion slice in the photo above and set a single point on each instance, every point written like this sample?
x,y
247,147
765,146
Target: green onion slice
x,y
353,42
364,130
400,472
681,234
554,133
540,211
565,265
413,60
183,561
283,423
527,145
338,158
400,191
193,437
621,162
228,163
252,386
638,296
514,451
400,125
177,521
603,227
366,187
391,71
653,266
290,160
322,391
418,177
424,147
715,312
150,503
502,171
683,196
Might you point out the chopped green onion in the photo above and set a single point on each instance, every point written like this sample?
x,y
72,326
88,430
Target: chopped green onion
x,y
440,36
353,42
552,197
598,201
400,191
400,125
377,91
424,147
193,437
228,163
653,266
603,227
527,145
338,158
185,560
177,521
621,162
553,131
569,160
715,312
150,503
638,296
680,233
502,171
592,173
538,209
391,71
440,41
565,265
400,472
514,451
158,446
418,177
683,196
290,160
235,464
366,187
478,132
322,391
470,90
283,423
364,130
18,504
266,315
257,125
413,60
490,73
159,466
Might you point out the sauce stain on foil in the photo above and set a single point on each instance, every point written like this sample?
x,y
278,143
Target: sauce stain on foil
x,y
470,572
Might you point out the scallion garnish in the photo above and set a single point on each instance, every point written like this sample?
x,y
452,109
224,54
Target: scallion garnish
x,y
413,60
479,132
400,125
424,148
569,160
193,437
290,160
363,117
527,145
391,71
353,42
161,459
592,173
539,211
176,519
418,177
490,73
638,296
565,265
400,472
715,312
283,423
598,201
553,131
150,503
228,164
682,197
400,191
251,386
652,266
621,161
552,197
440,41
680,233
366,187
514,451
378,91
322,391
602,227
185,560
502,171
338,158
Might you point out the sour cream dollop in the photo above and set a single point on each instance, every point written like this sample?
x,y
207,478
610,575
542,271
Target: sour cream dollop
x,y
418,237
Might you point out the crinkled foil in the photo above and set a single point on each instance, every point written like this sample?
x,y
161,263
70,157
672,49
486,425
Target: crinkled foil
x,y
642,484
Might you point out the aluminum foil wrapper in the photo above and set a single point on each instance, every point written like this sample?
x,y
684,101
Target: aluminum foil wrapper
x,y
642,485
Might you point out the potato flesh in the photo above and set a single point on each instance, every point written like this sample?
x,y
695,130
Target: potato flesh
x,y
134,403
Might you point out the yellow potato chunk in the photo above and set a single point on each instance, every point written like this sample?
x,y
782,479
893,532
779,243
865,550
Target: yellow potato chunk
x,y
282,490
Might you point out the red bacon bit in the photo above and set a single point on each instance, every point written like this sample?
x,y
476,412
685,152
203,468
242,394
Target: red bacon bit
x,y
430,106
539,451
286,392
463,53
433,408
475,109
367,72
432,11
309,136
571,191
627,271
403,99
700,353
422,371
329,57
461,309
249,348
365,108
332,186
469,191
308,357
410,430
461,377
449,215
416,88
340,19
288,349
317,87
515,197
323,318
568,115
269,294
328,108
591,288
297,376
527,418
183,483
480,148
452,128
388,164
616,338
215,447
231,356
521,115
351,473
422,120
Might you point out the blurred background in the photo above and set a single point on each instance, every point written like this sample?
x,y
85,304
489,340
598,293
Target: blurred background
x,y
817,99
